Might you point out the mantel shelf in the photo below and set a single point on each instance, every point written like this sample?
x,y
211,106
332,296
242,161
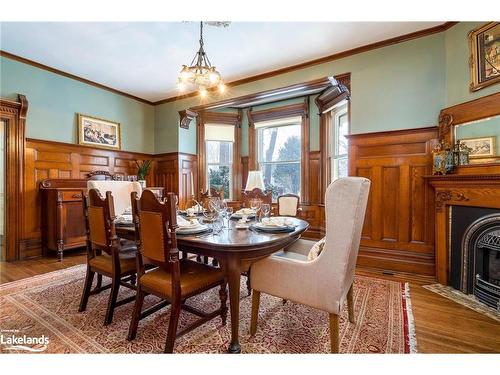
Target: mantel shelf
x,y
462,177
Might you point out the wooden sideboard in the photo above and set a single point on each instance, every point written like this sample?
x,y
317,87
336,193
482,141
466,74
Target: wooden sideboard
x,y
458,190
63,221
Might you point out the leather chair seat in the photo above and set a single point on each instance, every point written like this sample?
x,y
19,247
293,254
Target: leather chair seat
x,y
194,276
127,261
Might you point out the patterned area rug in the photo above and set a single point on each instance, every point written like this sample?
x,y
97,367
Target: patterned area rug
x,y
469,301
47,305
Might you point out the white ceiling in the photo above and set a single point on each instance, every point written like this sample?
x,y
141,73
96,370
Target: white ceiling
x,y
144,58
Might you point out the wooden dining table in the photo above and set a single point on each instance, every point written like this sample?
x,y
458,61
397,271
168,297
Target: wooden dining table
x,y
235,249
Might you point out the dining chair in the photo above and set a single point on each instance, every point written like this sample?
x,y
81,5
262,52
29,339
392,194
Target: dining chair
x,y
174,280
325,282
288,205
105,254
256,193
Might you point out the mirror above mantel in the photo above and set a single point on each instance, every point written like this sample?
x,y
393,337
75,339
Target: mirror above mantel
x,y
477,124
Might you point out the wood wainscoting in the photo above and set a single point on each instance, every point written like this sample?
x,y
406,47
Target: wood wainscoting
x,y
398,234
47,159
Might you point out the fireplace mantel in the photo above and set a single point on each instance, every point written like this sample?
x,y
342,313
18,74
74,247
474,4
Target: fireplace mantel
x,y
479,190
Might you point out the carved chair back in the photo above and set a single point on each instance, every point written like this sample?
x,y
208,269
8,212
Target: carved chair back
x,y
101,175
155,224
99,221
265,197
211,193
288,205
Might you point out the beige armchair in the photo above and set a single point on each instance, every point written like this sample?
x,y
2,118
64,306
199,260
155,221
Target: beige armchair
x,y
324,283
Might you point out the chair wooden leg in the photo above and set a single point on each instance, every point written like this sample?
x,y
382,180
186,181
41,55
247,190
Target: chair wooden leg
x,y
205,259
89,278
334,333
215,262
112,300
255,312
136,315
172,326
223,305
198,258
350,305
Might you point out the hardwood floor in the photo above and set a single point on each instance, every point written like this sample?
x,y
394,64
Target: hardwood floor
x,y
442,326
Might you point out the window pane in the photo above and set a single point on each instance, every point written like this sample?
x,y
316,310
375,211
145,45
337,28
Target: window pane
x,y
219,152
219,176
280,143
342,132
282,178
340,168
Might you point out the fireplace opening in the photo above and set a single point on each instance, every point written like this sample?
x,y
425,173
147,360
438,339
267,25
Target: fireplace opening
x,y
475,253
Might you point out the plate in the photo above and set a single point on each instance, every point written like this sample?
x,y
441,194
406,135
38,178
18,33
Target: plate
x,y
273,228
195,230
239,216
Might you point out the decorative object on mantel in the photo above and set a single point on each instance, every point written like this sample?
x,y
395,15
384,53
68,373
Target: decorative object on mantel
x,y
484,44
200,72
442,159
461,154
97,132
142,171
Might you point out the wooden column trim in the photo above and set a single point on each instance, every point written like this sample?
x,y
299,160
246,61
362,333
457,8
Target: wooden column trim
x,y
14,113
324,123
252,162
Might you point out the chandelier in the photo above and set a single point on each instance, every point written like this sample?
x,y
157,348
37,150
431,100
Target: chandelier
x,y
200,72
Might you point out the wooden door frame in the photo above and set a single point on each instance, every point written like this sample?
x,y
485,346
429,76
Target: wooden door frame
x,y
14,112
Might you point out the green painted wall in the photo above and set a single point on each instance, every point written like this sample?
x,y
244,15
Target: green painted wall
x,y
395,87
54,101
457,65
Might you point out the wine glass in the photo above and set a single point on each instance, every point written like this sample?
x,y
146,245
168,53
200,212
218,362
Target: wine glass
x,y
229,213
223,211
266,208
255,206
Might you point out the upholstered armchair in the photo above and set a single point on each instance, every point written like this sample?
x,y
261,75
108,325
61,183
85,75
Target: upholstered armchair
x,y
325,282
119,189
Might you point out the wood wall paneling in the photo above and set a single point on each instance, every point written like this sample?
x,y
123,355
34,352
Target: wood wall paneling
x,y
45,159
398,233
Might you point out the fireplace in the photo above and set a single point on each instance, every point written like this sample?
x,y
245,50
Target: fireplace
x,y
475,253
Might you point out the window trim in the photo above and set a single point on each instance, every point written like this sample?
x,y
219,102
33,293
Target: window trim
x,y
292,110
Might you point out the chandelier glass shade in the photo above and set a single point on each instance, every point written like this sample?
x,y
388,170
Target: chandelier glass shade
x,y
200,73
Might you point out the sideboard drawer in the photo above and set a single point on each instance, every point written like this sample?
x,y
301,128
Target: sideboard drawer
x,y
71,196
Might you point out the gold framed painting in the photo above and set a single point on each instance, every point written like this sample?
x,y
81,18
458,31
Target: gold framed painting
x,y
484,44
98,132
480,147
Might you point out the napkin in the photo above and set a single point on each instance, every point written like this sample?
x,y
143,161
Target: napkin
x,y
245,211
276,221
185,224
124,219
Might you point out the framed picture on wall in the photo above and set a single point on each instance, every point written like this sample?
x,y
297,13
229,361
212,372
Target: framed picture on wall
x,y
484,62
97,132
481,147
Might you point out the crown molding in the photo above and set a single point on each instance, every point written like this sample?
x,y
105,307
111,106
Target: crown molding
x,y
384,43
340,55
71,76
